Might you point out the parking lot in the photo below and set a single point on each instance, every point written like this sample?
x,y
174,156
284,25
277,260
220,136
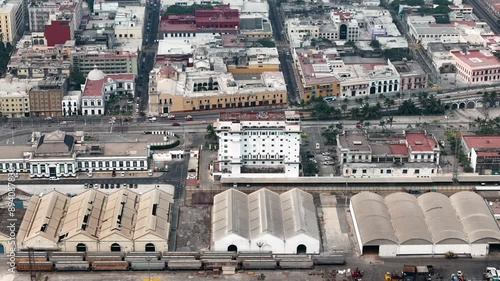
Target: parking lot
x,y
324,155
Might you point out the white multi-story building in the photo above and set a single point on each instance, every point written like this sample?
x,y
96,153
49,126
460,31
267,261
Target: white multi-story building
x,y
129,22
99,87
425,29
71,103
301,32
413,154
258,145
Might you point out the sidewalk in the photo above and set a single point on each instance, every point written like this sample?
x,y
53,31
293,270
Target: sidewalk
x,y
95,175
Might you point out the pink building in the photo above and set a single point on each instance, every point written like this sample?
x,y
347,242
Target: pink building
x,y
477,66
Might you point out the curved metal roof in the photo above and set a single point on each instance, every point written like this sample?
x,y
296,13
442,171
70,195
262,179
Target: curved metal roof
x,y
408,219
476,217
442,220
373,219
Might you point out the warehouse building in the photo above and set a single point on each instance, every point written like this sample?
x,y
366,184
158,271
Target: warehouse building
x,y
122,221
402,224
265,220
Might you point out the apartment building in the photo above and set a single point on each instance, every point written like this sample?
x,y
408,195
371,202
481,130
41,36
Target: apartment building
x,y
39,13
300,32
483,153
477,66
412,75
172,90
14,97
256,60
258,145
316,74
410,154
45,99
71,103
425,29
11,21
111,62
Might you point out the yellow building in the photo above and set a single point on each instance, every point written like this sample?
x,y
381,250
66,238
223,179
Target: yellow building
x,y
11,21
257,60
171,91
316,76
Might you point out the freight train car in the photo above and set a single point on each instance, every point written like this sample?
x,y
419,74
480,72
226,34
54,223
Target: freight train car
x,y
92,259
65,258
195,255
190,264
153,255
140,258
173,258
329,259
55,254
152,265
72,266
259,264
34,256
296,264
110,265
36,266
214,263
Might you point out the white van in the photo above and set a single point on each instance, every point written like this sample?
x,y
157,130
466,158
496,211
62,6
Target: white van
x,y
317,146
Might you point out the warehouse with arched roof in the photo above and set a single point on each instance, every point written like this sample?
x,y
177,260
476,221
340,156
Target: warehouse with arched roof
x,y
402,224
372,224
409,223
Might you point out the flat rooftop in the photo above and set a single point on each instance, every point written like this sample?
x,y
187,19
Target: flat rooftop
x,y
477,59
482,141
354,142
252,116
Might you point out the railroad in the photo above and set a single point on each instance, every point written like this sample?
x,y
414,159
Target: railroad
x,y
157,261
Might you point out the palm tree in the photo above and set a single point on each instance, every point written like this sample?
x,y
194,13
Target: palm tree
x,y
359,101
390,120
408,108
346,101
355,113
343,107
367,124
381,123
389,102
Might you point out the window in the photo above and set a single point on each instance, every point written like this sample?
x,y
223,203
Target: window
x,y
80,247
150,247
417,171
115,247
364,171
405,171
388,171
354,171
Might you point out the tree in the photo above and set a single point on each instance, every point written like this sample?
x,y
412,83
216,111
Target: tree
x,y
211,136
266,42
76,77
388,103
367,124
381,123
390,120
321,109
343,107
359,101
310,168
408,108
355,113
330,133
375,44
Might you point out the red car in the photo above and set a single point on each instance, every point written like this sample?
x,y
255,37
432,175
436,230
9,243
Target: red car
x,y
175,124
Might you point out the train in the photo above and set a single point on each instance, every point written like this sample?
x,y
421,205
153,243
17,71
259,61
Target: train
x,y
157,261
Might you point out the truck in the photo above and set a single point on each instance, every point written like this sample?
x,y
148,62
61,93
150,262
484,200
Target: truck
x,y
491,274
417,273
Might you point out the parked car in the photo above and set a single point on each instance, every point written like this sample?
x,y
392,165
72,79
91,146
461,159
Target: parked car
x,y
325,153
63,123
175,124
171,117
48,118
188,118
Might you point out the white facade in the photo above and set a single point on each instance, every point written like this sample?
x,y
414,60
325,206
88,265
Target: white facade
x,y
300,33
93,105
129,22
258,145
71,103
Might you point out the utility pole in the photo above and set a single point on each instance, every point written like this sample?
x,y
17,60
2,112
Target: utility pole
x,y
260,244
458,135
31,260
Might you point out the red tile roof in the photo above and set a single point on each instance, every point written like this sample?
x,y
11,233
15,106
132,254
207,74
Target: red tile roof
x,y
93,88
476,59
420,142
483,141
121,76
398,149
488,154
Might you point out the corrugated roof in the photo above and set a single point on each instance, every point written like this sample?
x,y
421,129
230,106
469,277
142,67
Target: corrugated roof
x,y
476,217
407,219
119,215
441,218
153,214
373,219
265,214
299,214
44,216
84,214
230,214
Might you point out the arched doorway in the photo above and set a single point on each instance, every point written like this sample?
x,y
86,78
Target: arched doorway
x,y
150,247
461,105
471,104
454,106
115,247
301,249
343,32
232,248
80,247
2,250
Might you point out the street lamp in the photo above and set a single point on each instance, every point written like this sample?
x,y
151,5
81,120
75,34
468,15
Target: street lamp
x,y
261,275
148,258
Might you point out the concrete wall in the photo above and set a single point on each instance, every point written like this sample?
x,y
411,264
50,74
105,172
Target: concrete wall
x,y
312,244
415,249
388,250
241,243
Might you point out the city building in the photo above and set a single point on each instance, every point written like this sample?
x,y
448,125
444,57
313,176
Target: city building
x,y
199,88
129,22
14,97
99,87
483,153
221,19
58,31
300,32
11,21
71,103
109,61
94,221
256,60
258,145
424,29
59,154
411,154
316,75
45,99
61,25
284,223
412,75
39,14
477,66
430,224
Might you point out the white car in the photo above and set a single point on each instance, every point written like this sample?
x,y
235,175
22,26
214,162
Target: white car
x,y
48,118
325,153
328,158
63,123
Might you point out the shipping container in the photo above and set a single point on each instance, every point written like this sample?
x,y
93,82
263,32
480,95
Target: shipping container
x,y
110,265
296,264
66,258
72,265
184,265
36,266
259,264
103,258
152,265
329,259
